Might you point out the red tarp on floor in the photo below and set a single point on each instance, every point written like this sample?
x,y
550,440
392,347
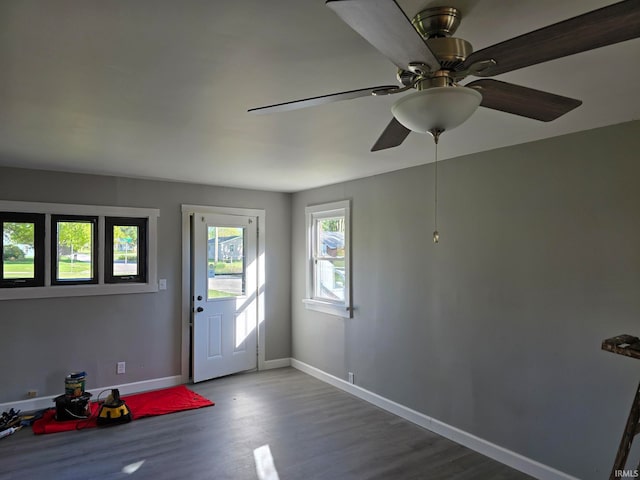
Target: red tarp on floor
x,y
147,404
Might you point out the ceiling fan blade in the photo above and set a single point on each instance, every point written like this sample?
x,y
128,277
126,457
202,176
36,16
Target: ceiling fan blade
x,y
393,135
598,28
523,101
321,100
384,25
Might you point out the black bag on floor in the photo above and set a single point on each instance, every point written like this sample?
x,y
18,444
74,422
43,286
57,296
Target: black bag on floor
x,y
72,408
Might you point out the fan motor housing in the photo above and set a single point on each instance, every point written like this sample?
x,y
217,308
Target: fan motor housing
x,y
436,25
450,52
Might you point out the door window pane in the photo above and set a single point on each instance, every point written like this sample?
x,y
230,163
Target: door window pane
x,y
74,249
225,262
18,250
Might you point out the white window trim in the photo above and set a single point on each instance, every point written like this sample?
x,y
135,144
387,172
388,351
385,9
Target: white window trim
x,y
101,288
312,212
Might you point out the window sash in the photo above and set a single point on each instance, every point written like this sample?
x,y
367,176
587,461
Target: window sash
x,y
324,279
38,221
56,220
110,276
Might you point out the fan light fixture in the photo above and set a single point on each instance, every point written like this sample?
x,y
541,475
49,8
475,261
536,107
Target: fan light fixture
x,y
436,108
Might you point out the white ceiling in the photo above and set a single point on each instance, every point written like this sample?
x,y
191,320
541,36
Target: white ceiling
x,y
160,89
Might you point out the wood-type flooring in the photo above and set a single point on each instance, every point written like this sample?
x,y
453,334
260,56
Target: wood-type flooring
x,y
313,430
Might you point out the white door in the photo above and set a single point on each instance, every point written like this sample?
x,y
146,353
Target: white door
x,y
224,279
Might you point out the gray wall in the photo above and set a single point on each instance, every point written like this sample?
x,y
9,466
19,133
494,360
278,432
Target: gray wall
x,y
497,329
42,340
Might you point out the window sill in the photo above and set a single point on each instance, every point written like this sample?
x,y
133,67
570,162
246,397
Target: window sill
x,y
338,310
75,290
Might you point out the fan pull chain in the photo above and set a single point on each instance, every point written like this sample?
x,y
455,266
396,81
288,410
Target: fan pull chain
x,y
436,236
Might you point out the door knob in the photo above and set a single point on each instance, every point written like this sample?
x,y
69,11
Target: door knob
x,y
199,309
199,297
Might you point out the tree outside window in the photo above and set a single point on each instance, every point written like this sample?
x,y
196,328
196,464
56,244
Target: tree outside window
x,y
74,248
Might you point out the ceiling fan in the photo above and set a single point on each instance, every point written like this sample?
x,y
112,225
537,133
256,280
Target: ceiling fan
x,y
432,62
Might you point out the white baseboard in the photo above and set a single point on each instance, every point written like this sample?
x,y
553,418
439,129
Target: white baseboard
x,y
125,389
491,450
277,363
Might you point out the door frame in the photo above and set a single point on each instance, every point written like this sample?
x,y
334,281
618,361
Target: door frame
x,y
187,213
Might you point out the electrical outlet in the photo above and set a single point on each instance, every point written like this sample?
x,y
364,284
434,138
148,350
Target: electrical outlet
x,y
351,379
32,394
121,368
